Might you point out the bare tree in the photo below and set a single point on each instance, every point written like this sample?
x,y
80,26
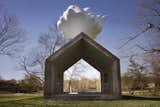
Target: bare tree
x,y
34,62
149,15
11,35
73,74
152,63
51,40
29,70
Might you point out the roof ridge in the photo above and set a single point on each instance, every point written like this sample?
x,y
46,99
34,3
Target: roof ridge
x,y
82,36
72,41
99,45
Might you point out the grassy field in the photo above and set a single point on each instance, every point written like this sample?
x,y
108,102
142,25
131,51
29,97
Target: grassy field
x,y
36,100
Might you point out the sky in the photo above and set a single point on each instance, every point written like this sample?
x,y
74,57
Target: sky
x,y
35,16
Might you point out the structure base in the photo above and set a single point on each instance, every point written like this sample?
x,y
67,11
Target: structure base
x,y
84,97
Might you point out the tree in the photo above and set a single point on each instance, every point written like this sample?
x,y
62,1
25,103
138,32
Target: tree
x,y
153,65
83,85
72,75
89,85
134,78
150,14
149,20
137,71
9,86
34,62
127,84
30,84
149,17
11,35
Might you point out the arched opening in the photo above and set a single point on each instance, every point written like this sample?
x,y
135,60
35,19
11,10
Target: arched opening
x,y
81,77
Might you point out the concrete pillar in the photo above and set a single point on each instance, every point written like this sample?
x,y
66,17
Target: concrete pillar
x,y
116,78
59,82
49,85
106,83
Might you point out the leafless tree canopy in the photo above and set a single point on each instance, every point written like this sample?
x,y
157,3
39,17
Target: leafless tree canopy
x,y
149,14
11,35
150,21
51,40
72,74
34,62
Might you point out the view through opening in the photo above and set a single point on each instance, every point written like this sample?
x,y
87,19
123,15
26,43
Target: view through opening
x,y
82,78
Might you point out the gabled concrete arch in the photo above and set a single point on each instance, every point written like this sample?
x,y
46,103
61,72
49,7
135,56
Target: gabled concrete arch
x,y
83,47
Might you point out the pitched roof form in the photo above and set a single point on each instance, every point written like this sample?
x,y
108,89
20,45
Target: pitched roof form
x,y
83,47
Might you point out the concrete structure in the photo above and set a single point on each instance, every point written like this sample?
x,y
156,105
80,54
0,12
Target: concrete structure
x,y
83,47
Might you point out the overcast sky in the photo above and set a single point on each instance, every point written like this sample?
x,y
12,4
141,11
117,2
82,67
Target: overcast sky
x,y
36,15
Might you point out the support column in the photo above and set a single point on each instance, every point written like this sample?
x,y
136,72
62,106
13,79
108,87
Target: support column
x,y
49,85
116,78
59,82
106,82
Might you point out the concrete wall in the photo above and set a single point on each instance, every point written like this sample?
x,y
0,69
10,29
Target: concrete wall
x,y
87,49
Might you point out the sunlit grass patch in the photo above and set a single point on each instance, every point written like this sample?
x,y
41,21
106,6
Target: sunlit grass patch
x,y
30,100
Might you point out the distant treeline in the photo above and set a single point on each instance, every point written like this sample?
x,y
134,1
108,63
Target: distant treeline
x,y
31,84
27,85
82,85
140,77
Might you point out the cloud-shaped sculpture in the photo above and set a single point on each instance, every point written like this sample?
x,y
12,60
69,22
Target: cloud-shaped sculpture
x,y
74,21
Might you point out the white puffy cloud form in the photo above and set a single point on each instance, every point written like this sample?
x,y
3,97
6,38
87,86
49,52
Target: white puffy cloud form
x,y
75,20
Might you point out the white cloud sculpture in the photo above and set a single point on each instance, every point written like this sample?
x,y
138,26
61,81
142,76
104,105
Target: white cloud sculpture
x,y
74,21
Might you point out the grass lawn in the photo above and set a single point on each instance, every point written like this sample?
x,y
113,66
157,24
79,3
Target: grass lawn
x,y
37,100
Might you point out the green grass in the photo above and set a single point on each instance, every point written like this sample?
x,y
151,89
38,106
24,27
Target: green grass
x,y
36,100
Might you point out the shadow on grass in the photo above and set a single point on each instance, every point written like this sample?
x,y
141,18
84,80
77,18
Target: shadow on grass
x,y
125,97
41,98
22,99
